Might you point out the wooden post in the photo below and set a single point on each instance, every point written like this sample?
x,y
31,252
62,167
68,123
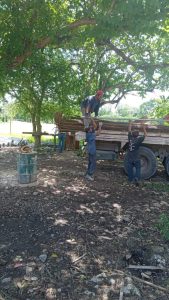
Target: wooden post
x,y
54,141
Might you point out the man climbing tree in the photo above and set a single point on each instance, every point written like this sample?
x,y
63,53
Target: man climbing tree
x,y
91,105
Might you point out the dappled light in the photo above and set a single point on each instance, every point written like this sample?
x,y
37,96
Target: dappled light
x,y
61,222
66,237
72,225
118,210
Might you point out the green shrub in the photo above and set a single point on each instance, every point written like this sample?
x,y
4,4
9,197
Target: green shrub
x,y
157,186
163,226
82,149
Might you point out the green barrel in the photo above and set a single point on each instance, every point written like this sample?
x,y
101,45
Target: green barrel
x,y
27,167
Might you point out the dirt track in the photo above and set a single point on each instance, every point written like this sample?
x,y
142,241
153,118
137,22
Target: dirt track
x,y
81,229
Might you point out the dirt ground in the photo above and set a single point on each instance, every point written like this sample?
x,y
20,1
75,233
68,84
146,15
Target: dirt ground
x,y
66,238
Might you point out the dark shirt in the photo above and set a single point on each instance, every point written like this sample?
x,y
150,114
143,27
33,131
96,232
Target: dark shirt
x,y
133,147
91,142
92,103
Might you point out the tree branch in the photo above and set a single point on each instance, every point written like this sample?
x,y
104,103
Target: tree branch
x,y
81,22
131,62
114,100
42,43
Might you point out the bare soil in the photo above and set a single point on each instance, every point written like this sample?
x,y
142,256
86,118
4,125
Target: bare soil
x,y
59,233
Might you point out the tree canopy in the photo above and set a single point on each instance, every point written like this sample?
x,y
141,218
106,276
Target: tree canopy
x,y
71,48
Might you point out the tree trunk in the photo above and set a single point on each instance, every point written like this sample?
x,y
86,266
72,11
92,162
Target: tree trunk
x,y
39,130
36,130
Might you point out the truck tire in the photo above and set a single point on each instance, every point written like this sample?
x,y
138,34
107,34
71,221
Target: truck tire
x,y
148,162
166,164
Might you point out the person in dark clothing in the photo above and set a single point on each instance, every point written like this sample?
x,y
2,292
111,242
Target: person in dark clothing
x,y
62,140
91,133
134,142
91,105
61,135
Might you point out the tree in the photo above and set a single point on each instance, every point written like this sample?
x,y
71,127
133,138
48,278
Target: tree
x,y
162,108
28,26
117,45
148,109
43,83
127,112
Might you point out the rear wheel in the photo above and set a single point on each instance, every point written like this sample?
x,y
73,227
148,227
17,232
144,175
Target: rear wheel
x,y
148,162
166,164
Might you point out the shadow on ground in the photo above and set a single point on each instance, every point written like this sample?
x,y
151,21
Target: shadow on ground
x,y
65,238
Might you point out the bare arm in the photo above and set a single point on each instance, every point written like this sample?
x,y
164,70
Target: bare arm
x,y
87,109
99,129
144,129
129,127
94,123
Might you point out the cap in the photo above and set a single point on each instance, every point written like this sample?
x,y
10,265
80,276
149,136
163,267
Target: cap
x,y
99,93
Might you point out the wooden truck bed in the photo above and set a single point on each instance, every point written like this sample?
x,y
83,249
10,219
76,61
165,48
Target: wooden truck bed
x,y
114,135
117,131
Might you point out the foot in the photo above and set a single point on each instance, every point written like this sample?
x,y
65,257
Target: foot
x,y
137,183
89,177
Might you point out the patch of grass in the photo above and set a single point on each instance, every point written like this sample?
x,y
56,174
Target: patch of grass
x,y
48,139
142,233
82,149
29,137
163,226
157,186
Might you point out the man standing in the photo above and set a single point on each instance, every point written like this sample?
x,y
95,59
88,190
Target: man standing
x,y
91,105
61,135
135,142
91,133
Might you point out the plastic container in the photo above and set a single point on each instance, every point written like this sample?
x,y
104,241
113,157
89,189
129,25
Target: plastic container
x,y
27,167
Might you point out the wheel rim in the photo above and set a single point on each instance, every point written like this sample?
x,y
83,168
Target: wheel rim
x,y
144,164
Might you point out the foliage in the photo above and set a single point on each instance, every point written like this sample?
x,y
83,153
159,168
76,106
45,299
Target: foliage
x,y
44,86
122,112
82,149
160,187
163,226
162,108
126,111
148,109
54,53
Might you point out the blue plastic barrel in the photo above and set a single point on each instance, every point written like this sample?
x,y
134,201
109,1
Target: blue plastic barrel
x,y
27,167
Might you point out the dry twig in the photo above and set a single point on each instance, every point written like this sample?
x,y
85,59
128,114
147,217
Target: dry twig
x,y
79,258
151,284
121,291
121,273
139,267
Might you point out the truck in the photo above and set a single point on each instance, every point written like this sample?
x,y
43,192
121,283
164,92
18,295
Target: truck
x,y
111,142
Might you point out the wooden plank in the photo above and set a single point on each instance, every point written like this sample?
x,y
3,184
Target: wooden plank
x,y
39,134
140,267
118,131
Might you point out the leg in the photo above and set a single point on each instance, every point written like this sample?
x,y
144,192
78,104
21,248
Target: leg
x,y
86,119
130,170
63,138
89,163
137,165
61,142
92,164
91,167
